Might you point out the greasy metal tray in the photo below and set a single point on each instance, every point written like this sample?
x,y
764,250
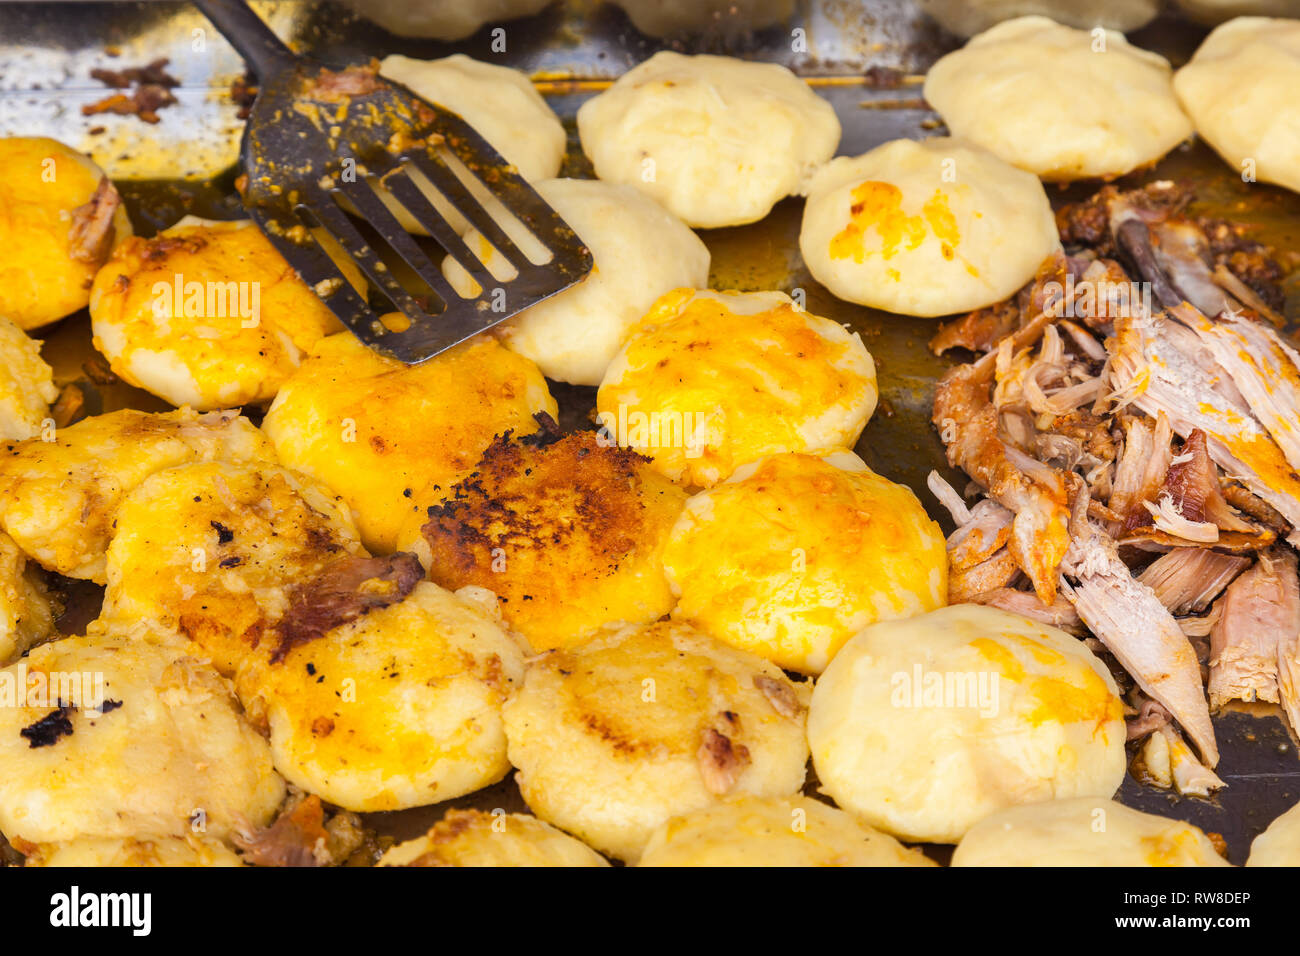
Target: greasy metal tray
x,y
573,49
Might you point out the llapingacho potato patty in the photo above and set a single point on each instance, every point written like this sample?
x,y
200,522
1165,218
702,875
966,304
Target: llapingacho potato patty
x,y
568,534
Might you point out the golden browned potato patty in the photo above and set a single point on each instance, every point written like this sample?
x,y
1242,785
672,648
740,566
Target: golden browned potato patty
x,y
45,194
58,499
26,384
709,381
475,838
206,314
136,851
616,736
26,610
794,554
398,707
569,536
392,438
214,552
118,737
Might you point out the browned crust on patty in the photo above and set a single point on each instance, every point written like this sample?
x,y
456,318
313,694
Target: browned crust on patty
x,y
575,496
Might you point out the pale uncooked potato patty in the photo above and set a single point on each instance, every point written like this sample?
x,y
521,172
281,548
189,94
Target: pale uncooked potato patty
x,y
775,831
501,104
1240,90
715,139
923,727
1083,832
640,251
1059,102
925,228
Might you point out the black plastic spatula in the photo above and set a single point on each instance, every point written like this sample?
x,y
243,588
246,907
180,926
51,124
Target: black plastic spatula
x,y
320,142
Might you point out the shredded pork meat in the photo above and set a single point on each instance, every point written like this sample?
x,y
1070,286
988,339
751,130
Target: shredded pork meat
x,y
1144,637
1132,417
1061,614
1259,614
1187,580
92,233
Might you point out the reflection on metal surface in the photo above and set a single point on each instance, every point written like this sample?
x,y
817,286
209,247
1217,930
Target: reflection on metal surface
x,y
968,17
1216,11
47,53
669,18
446,20
46,57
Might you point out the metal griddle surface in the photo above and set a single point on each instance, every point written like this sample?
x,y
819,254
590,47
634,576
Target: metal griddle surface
x,y
573,49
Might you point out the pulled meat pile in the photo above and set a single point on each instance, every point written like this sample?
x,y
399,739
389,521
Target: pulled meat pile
x,y
1132,426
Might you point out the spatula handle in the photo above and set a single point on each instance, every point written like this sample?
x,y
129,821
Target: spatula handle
x,y
248,34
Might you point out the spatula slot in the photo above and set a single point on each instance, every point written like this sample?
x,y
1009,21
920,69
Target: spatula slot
x,y
404,189
495,190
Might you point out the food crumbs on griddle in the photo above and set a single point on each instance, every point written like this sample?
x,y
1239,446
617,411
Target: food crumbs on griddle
x,y
47,731
97,370
153,72
153,91
883,77
243,91
145,103
70,407
548,432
